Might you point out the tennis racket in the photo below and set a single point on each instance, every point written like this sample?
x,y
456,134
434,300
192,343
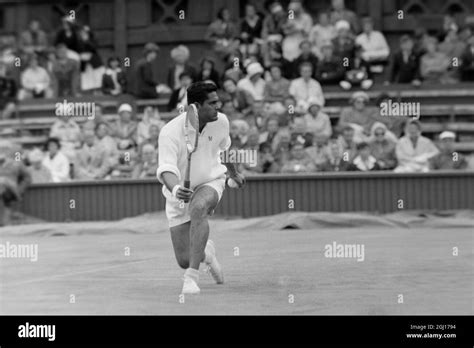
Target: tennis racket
x,y
191,114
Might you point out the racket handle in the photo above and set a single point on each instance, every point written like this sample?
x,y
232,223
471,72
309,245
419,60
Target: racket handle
x,y
187,184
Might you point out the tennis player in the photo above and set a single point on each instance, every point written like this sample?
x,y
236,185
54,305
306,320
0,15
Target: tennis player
x,y
188,209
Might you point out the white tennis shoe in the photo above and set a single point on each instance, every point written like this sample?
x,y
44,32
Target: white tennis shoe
x,y
190,287
214,268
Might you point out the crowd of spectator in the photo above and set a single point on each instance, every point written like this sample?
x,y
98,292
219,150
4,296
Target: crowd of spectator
x,y
269,68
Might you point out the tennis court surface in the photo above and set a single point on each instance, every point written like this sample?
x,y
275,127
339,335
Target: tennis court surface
x,y
272,265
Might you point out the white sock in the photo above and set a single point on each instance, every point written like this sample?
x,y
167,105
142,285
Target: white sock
x,y
193,274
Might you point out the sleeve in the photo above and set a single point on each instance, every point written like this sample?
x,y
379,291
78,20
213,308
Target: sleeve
x,y
167,156
224,145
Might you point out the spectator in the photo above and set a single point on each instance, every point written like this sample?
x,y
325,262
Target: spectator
x,y
151,116
124,130
434,65
66,73
222,34
448,158
208,71
114,81
413,150
300,161
274,55
300,132
277,88
252,144
382,147
33,40
449,24
321,33
178,99
233,68
230,111
281,152
374,46
467,61
35,81
329,70
153,134
364,161
92,159
180,56
347,143
453,48
344,42
55,161
68,132
239,133
317,122
421,39
14,179
296,29
405,65
358,72
335,162
67,36
269,163
8,90
147,164
319,152
242,100
251,26
38,172
306,56
339,12
274,23
92,67
105,141
253,83
305,87
146,82
269,136
98,118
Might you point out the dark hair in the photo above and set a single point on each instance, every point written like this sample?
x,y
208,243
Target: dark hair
x,y
185,73
220,13
111,59
302,65
207,59
198,92
98,124
405,38
229,79
362,145
53,140
415,122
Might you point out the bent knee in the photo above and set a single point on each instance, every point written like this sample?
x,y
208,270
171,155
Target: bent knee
x,y
199,210
183,261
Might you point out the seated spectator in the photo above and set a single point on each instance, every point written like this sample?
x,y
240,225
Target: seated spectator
x,y
340,12
299,132
222,34
306,56
299,161
230,111
68,132
146,81
269,136
305,88
35,81
208,71
147,164
317,122
233,69
253,83
269,163
153,134
251,26
434,65
98,118
330,70
347,143
274,22
453,48
8,91
335,161
124,130
242,100
92,161
364,161
180,56
374,46
178,99
33,40
105,141
319,152
321,33
151,116
467,61
38,172
421,38
413,150
382,147
239,133
281,152
405,64
14,179
92,67
296,30
274,56
127,161
277,88
114,81
66,73
55,161
344,42
447,158
358,72
252,144
68,36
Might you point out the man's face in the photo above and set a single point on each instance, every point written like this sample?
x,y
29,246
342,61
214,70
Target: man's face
x,y
306,71
148,153
154,132
413,131
368,27
229,86
53,148
306,48
125,116
327,52
348,135
276,73
359,104
447,144
101,131
208,110
253,139
364,152
61,52
272,126
186,81
297,152
407,45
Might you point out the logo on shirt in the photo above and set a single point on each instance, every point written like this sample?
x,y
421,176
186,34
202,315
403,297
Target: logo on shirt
x,y
210,138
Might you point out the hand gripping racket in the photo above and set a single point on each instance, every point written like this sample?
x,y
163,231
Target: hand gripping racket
x,y
191,114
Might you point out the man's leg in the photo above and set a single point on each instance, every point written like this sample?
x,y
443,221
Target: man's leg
x,y
180,239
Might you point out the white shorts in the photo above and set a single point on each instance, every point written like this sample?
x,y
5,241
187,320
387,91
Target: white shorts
x,y
177,212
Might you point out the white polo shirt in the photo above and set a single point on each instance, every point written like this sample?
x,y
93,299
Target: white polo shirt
x,y
205,162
